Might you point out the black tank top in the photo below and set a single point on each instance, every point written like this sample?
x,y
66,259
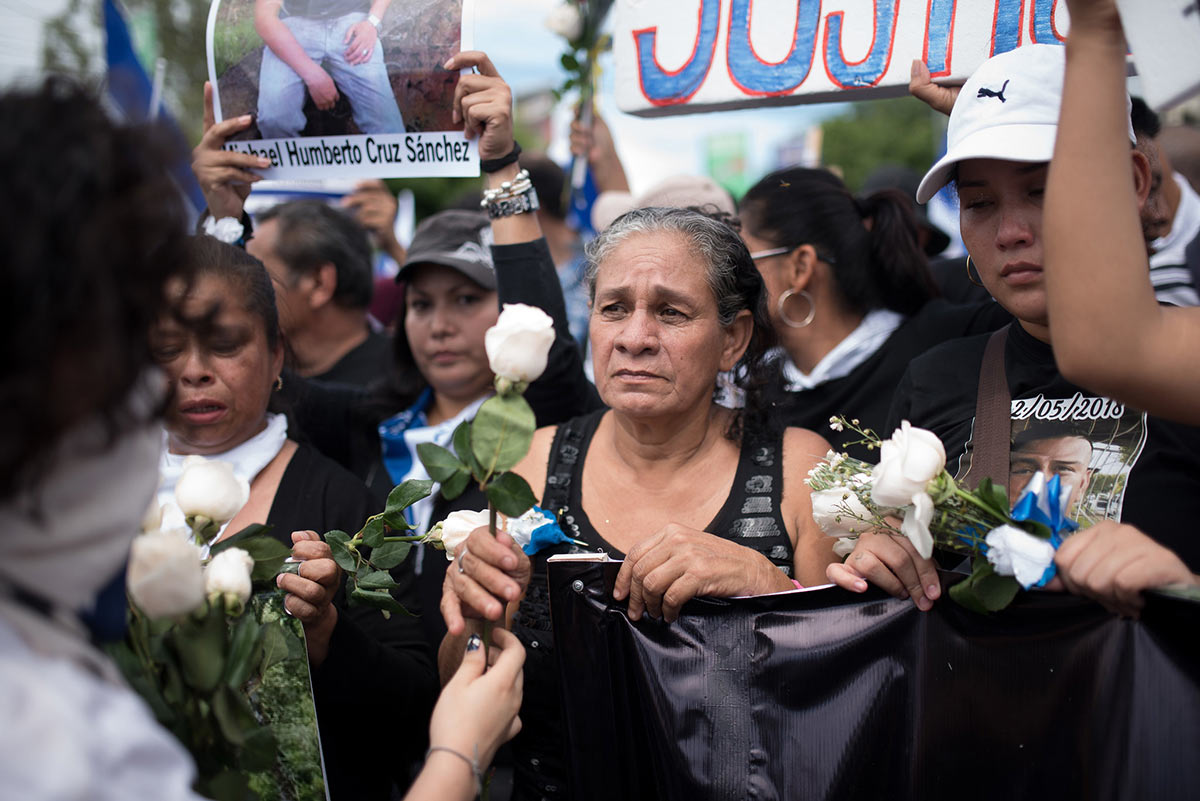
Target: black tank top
x,y
749,517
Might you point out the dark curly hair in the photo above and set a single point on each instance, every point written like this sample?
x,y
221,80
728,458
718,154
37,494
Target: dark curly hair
x,y
735,283
92,227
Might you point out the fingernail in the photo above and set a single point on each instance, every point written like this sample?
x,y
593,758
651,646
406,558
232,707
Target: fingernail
x,y
924,604
914,69
266,162
933,591
279,580
244,118
474,643
510,593
861,586
449,61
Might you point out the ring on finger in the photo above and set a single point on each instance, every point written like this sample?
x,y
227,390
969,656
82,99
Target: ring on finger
x,y
461,556
365,51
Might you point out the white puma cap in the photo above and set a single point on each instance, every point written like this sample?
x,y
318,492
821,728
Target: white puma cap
x,y
1008,109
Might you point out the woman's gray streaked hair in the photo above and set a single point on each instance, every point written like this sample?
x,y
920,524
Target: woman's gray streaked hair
x,y
735,283
716,242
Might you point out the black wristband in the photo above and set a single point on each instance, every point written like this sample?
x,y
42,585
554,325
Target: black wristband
x,y
495,165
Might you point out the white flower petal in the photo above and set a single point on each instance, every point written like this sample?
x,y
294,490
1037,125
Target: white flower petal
x,y
1015,552
915,525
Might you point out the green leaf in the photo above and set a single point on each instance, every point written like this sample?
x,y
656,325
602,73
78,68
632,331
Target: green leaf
x,y
233,714
228,785
984,590
268,554
273,648
379,599
241,651
390,554
405,495
455,485
373,532
201,649
994,497
376,580
462,447
439,462
502,432
510,494
569,62
1036,528
252,530
345,559
258,751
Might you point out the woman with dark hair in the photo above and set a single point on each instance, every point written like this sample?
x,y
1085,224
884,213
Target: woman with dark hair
x,y
850,296
92,228
980,395
697,499
222,351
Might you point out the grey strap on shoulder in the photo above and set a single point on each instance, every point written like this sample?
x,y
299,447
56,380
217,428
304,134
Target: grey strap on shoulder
x,y
992,433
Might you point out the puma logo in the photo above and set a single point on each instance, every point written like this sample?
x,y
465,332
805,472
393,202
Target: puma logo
x,y
985,92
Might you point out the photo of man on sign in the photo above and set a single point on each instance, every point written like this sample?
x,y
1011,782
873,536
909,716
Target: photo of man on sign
x,y
329,48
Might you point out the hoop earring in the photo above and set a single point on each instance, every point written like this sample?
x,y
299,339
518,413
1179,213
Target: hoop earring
x,y
279,382
969,277
808,318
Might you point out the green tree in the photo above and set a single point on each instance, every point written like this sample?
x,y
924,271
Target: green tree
x,y
875,132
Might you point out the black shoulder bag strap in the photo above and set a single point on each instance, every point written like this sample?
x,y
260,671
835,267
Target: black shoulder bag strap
x,y
992,433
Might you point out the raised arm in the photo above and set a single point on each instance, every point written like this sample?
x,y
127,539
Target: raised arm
x,y
278,37
1108,331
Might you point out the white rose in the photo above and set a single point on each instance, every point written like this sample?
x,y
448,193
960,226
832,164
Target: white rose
x,y
208,488
907,463
565,21
165,578
519,343
1016,552
457,527
228,576
153,516
839,512
915,524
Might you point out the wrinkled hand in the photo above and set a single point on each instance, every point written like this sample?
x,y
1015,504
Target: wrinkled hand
x,y
477,709
322,88
891,563
495,572
310,591
483,104
224,175
360,41
1112,563
922,87
662,573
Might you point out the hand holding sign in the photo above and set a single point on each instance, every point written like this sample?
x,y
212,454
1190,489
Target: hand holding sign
x,y
922,87
224,175
483,103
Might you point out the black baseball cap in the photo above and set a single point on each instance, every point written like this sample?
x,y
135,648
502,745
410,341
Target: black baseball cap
x,y
461,240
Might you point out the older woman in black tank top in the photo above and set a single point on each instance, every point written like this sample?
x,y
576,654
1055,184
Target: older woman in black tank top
x,y
697,498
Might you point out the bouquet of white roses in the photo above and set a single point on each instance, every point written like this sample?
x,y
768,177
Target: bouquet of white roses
x,y
910,494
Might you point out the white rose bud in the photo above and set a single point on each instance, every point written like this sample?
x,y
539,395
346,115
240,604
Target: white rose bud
x,y
907,463
228,576
565,21
839,512
209,489
519,343
164,577
457,527
916,522
1015,552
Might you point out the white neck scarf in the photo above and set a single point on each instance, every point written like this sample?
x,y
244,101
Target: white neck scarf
x,y
248,460
858,346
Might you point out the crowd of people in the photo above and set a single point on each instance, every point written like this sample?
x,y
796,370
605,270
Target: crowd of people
x,y
701,348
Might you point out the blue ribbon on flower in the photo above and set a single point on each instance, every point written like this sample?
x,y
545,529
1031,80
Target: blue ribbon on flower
x,y
545,531
1043,502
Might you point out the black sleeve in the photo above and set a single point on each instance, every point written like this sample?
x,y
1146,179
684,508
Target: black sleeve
x,y
525,273
901,408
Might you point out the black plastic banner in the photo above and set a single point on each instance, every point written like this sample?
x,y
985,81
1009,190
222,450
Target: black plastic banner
x,y
832,695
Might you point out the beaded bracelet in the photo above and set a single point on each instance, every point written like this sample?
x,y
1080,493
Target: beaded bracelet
x,y
474,763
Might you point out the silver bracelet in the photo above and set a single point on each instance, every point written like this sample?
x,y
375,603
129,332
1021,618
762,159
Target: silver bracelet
x,y
508,189
474,763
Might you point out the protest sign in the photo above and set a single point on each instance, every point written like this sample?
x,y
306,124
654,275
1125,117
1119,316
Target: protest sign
x,y
684,56
1165,38
337,92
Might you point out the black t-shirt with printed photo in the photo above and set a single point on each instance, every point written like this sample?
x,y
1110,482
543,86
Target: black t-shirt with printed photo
x,y
1118,463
